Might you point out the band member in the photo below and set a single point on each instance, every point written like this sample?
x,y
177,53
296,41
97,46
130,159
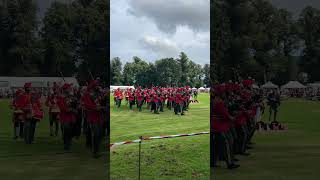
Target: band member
x,y
273,102
67,114
18,115
221,122
178,103
155,103
139,99
130,98
79,115
94,111
32,112
54,111
118,97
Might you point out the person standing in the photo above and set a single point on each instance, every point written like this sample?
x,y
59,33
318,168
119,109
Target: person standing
x,y
54,110
94,109
139,99
220,125
18,115
119,97
32,112
67,115
273,100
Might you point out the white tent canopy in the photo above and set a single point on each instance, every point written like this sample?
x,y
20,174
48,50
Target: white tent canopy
x,y
255,86
112,88
38,82
269,85
314,85
293,85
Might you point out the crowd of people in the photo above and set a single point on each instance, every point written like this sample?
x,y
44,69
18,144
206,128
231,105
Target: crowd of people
x,y
236,110
236,107
72,111
157,98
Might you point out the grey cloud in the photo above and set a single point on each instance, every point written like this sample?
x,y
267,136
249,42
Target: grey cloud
x,y
162,47
170,14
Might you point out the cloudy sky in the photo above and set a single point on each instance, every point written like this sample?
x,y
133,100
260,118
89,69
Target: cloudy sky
x,y
158,29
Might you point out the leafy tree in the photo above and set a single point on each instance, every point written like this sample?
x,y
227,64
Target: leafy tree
x,y
168,72
310,33
19,51
115,71
57,39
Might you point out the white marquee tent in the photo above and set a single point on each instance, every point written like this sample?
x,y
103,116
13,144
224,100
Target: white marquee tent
x,y
269,85
112,88
293,85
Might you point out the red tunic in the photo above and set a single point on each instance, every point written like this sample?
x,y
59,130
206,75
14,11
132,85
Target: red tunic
x,y
178,99
37,109
119,95
139,97
240,119
220,121
148,99
65,115
131,97
94,115
155,98
51,102
21,104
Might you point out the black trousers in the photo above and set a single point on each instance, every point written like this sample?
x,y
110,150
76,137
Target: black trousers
x,y
221,149
242,139
67,134
178,108
29,130
155,107
161,104
53,120
93,139
131,103
118,103
78,124
139,105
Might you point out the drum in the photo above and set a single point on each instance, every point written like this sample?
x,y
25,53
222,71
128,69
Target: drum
x,y
38,115
19,115
55,110
18,111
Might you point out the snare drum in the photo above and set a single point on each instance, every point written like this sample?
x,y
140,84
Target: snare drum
x,y
55,110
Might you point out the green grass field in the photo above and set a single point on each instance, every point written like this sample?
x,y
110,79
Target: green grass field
x,y
293,154
44,160
177,158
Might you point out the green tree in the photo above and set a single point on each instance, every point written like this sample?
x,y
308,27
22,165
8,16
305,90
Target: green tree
x,y
115,71
183,61
57,39
310,33
168,72
206,72
19,46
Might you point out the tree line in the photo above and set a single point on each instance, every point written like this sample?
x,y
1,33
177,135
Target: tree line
x,y
163,72
72,39
254,38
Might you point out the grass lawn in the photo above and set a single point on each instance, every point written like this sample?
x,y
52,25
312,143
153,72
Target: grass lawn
x,y
177,158
292,154
44,160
